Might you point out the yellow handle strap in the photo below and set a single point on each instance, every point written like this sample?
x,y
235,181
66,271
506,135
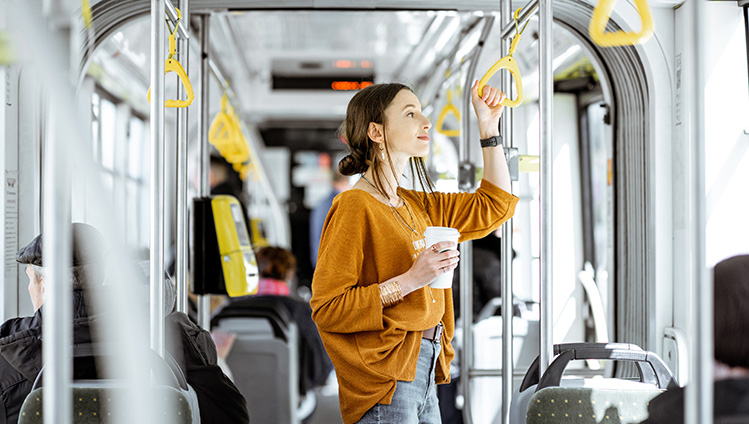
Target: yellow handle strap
x,y
601,16
173,65
508,62
88,18
226,134
448,108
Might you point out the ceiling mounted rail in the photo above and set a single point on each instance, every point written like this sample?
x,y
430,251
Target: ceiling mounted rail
x,y
174,17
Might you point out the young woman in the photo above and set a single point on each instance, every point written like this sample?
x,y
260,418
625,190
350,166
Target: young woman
x,y
386,331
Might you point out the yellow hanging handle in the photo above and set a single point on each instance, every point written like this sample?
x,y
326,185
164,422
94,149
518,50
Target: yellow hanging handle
x,y
226,134
449,108
601,16
508,62
86,13
173,65
221,130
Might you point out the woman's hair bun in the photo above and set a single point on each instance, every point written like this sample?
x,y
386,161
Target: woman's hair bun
x,y
350,166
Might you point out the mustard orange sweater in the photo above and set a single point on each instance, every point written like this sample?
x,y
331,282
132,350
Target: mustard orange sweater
x,y
364,243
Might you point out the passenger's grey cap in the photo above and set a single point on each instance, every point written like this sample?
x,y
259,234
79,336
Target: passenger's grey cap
x,y
88,247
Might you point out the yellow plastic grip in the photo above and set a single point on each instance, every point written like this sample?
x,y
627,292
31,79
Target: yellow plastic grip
x,y
449,108
86,13
509,63
601,16
225,133
171,65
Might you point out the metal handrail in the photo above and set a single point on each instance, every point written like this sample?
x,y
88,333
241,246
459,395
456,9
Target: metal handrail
x,y
505,8
204,188
466,248
174,17
546,112
528,11
698,404
183,238
156,257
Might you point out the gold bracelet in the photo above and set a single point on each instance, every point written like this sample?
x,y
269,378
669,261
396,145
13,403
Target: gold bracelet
x,y
390,293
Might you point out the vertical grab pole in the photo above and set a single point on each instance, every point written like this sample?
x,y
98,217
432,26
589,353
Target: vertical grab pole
x,y
157,176
182,140
204,189
699,391
57,331
466,249
546,107
505,10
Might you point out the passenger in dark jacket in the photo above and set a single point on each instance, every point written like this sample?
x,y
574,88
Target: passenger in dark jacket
x,y
731,372
21,338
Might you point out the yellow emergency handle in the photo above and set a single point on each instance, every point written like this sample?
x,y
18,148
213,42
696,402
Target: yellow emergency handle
x,y
601,16
449,108
238,261
509,63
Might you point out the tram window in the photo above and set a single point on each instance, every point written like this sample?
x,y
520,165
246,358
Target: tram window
x,y
108,119
137,189
601,176
123,161
95,127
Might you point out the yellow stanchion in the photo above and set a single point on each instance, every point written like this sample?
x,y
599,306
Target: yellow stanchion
x,y
173,65
601,16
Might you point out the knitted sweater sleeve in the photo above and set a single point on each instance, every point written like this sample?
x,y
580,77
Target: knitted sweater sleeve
x,y
474,215
340,302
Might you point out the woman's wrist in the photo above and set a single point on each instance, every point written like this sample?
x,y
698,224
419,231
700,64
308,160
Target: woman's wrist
x,y
487,130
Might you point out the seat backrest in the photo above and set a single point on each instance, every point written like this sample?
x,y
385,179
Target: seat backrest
x,y
589,406
92,403
263,358
167,377
733,419
654,378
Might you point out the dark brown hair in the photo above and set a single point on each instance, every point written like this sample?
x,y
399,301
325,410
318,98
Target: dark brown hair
x,y
367,106
275,262
731,311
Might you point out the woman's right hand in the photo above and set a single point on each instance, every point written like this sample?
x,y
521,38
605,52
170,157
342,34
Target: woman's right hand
x,y
430,263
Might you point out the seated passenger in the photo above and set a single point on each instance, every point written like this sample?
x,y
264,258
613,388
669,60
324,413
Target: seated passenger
x,y
731,315
277,267
20,338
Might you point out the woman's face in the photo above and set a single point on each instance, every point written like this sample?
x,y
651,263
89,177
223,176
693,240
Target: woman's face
x,y
406,129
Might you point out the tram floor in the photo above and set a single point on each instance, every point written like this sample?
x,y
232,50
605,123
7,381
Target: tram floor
x,y
328,410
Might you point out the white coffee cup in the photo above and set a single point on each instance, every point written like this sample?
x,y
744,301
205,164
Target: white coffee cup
x,y
434,235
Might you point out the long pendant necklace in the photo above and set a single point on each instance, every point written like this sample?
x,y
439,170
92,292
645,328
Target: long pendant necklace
x,y
401,219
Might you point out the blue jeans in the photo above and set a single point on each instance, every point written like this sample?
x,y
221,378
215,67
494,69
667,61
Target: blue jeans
x,y
414,402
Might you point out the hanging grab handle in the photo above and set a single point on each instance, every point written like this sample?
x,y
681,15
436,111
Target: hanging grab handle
x,y
173,65
508,62
88,17
221,129
225,133
449,108
601,16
